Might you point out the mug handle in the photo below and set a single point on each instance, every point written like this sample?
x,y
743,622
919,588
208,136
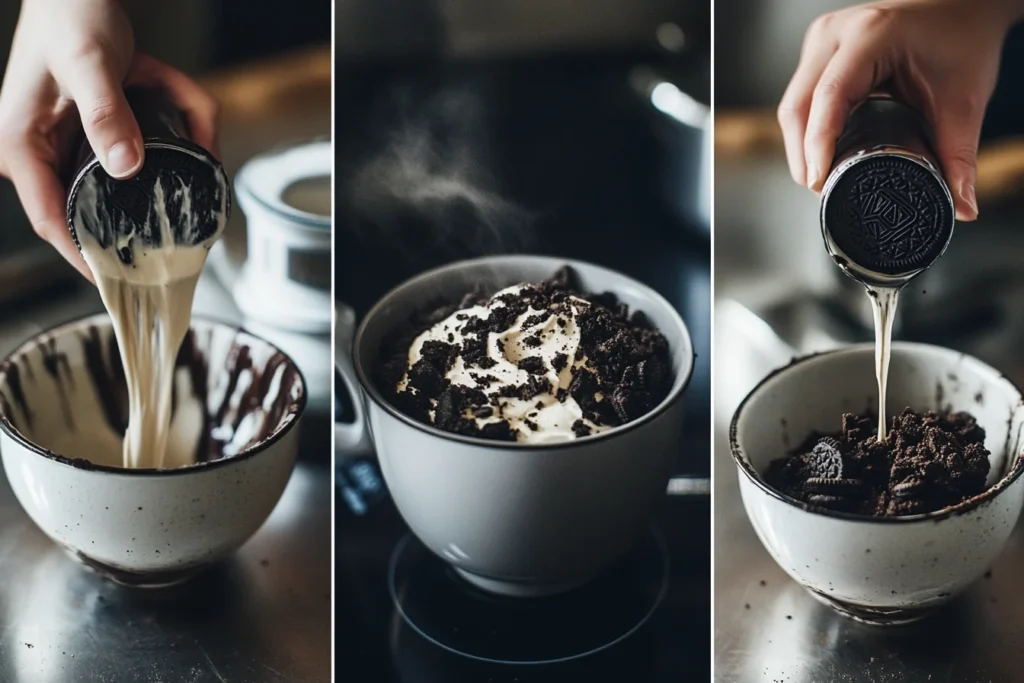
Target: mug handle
x,y
684,485
350,439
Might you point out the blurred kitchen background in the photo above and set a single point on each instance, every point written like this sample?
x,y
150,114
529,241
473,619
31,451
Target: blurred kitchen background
x,y
778,295
265,614
561,127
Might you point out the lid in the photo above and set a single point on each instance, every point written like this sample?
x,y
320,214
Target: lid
x,y
181,194
886,216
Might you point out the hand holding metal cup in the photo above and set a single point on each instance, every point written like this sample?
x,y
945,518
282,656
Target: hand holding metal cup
x,y
180,195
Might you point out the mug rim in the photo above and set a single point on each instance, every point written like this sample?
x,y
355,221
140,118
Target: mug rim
x,y
370,389
743,462
32,342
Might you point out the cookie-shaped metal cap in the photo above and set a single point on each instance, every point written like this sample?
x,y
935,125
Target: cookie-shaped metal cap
x,y
180,195
887,213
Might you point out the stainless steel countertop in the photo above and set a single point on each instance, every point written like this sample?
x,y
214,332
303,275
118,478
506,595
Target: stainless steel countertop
x,y
262,616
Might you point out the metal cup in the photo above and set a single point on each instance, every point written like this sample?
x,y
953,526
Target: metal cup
x,y
181,192
886,212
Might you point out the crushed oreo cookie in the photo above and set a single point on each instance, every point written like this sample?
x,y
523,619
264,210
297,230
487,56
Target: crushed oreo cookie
x,y
930,461
619,371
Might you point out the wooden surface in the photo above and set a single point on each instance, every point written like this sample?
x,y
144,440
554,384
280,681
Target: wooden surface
x,y
756,133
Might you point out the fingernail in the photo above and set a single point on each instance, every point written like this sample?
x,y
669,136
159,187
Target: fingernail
x,y
122,159
812,176
967,194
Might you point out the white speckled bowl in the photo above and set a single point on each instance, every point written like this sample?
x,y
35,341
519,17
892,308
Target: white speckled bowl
x,y
880,570
148,527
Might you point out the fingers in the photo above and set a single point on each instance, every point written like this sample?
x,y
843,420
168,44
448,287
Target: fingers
x,y
956,144
42,195
107,119
795,105
851,75
199,107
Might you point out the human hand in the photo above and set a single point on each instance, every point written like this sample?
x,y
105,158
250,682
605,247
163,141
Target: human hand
x,y
72,60
939,56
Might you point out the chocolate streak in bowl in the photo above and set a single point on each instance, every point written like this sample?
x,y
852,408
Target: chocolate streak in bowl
x,y
224,377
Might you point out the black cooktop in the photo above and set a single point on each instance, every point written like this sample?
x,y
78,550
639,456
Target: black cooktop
x,y
558,156
647,620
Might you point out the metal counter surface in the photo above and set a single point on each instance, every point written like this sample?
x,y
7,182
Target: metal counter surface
x,y
262,616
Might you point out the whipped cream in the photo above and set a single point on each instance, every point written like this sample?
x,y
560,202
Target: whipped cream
x,y
552,412
149,301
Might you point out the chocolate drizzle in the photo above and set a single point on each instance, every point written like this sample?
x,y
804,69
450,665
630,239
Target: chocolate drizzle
x,y
190,358
240,361
53,362
107,376
13,375
6,413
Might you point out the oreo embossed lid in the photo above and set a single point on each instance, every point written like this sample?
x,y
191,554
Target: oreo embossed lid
x,y
181,188
886,211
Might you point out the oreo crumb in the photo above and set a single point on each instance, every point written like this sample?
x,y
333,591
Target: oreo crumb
x,y
929,461
559,361
533,365
581,429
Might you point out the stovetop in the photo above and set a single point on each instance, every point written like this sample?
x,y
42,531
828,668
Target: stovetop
x,y
558,156
374,643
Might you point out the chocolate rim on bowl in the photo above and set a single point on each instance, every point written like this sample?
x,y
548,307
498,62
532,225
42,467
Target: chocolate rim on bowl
x,y
369,382
1012,471
297,409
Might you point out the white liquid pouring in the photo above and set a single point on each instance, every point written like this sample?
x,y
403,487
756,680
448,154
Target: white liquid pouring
x,y
150,305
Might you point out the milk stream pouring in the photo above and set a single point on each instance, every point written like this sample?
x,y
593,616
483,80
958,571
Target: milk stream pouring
x,y
146,240
886,212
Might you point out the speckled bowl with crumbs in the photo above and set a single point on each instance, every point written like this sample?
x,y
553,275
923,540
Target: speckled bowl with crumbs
x,y
237,404
880,570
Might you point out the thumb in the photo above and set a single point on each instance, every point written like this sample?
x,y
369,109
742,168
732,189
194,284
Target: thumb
x,y
107,119
956,143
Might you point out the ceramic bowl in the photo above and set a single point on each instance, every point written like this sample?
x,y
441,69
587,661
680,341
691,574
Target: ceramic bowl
x,y
880,570
520,519
63,408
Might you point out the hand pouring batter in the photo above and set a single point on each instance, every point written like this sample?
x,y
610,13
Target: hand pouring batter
x,y
146,240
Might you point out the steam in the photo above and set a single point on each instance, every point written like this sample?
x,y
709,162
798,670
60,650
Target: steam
x,y
433,171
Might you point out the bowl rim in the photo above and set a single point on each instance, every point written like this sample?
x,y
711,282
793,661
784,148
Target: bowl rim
x,y
85,466
370,389
743,463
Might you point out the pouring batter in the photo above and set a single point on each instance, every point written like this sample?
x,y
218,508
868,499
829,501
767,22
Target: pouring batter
x,y
148,289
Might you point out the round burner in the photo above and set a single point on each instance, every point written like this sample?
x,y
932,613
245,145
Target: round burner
x,y
448,611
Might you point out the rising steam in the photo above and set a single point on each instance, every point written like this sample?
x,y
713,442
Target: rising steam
x,y
434,169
